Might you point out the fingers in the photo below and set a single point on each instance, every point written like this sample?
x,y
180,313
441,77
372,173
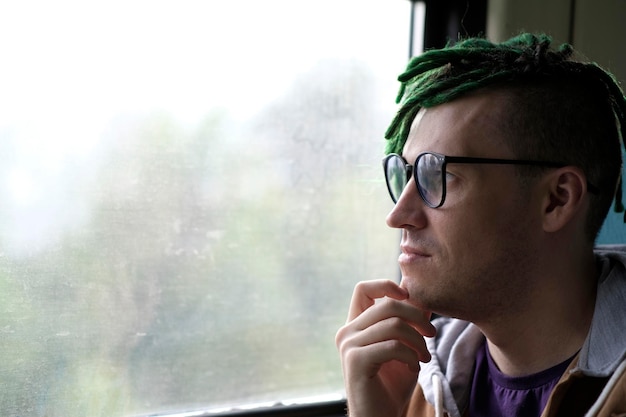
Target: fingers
x,y
366,292
374,356
397,334
389,308
381,346
390,329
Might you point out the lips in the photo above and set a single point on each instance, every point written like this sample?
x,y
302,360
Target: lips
x,y
413,251
411,254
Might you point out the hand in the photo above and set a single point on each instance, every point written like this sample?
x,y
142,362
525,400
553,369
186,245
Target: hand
x,y
381,345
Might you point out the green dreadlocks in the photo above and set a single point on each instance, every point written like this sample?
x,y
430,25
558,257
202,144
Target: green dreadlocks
x,y
523,63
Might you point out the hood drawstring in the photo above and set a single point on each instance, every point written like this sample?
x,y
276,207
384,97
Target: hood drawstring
x,y
438,391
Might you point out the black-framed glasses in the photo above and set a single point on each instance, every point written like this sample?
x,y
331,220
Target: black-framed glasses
x,y
429,172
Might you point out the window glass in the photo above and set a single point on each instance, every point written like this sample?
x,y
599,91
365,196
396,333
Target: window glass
x,y
613,231
189,191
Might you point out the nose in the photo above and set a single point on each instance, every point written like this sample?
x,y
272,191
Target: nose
x,y
409,211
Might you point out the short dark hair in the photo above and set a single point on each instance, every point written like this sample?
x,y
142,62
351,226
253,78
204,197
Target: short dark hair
x,y
561,109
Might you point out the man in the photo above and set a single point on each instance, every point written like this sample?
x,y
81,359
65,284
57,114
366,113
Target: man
x,y
502,163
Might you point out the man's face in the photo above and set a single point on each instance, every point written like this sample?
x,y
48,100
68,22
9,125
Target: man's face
x,y
472,257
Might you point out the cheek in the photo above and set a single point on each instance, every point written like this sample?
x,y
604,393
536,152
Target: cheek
x,y
474,232
465,217
491,235
481,220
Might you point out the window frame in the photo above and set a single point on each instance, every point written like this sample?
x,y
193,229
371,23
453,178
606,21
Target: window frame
x,y
335,408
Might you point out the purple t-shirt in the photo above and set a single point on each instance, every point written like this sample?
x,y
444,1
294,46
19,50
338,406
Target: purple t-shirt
x,y
495,394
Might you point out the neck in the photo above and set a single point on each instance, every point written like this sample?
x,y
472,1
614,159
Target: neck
x,y
553,326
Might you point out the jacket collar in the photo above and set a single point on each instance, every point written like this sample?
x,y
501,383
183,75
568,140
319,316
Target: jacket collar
x,y
605,346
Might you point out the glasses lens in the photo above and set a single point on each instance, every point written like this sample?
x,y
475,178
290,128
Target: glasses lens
x,y
430,178
395,174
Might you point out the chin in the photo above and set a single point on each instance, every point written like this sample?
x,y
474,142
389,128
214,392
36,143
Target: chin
x,y
419,295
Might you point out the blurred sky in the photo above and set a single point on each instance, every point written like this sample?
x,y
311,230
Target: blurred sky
x,y
88,59
70,67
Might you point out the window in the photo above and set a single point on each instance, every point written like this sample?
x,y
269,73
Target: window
x,y
189,192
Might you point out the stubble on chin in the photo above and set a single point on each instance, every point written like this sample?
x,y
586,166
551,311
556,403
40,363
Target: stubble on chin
x,y
421,288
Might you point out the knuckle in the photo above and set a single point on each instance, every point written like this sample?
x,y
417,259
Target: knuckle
x,y
351,355
394,345
340,337
396,324
360,287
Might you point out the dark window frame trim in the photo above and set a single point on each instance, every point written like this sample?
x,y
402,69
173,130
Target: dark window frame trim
x,y
335,408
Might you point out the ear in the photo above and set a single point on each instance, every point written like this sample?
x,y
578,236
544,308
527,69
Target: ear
x,y
565,197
